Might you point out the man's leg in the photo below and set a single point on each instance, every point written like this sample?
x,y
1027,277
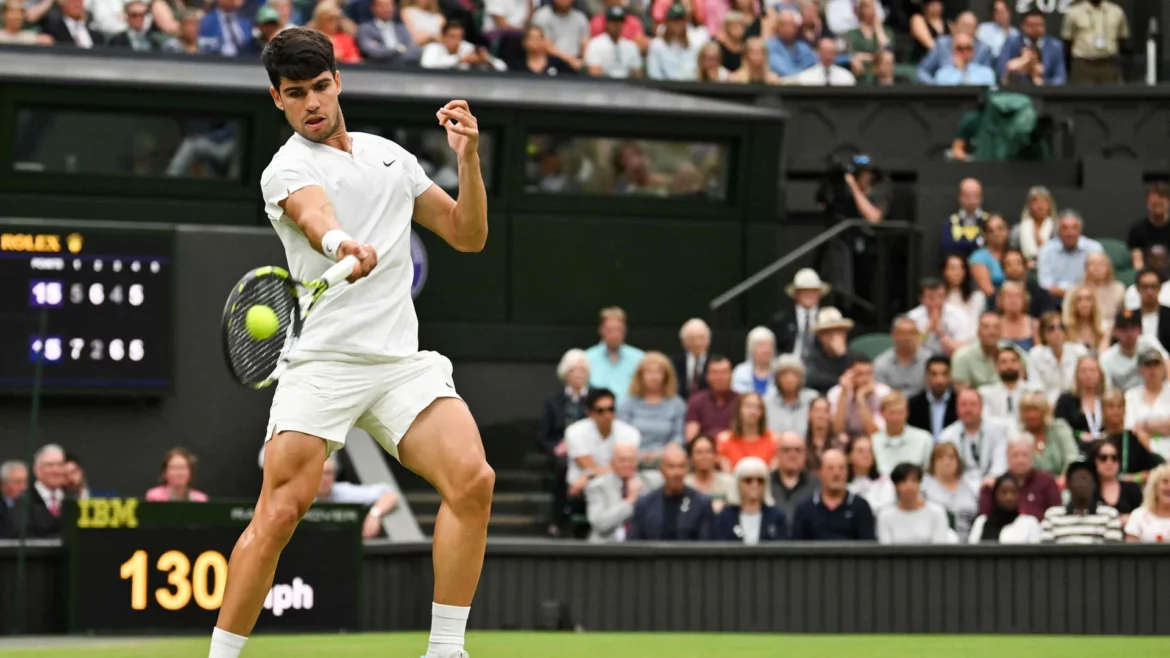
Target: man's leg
x,y
293,463
443,446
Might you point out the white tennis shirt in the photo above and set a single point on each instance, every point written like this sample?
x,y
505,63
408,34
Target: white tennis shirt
x,y
373,191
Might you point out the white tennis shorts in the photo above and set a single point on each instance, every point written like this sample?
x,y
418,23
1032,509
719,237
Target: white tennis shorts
x,y
328,398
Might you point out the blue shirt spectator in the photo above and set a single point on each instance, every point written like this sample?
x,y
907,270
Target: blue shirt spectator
x,y
224,31
983,257
851,520
943,56
611,362
1032,32
994,36
974,75
1061,267
787,54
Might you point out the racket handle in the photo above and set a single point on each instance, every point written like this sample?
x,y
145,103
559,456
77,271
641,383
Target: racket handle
x,y
341,271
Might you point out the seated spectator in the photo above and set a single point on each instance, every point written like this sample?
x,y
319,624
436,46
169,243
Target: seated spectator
x,y
1120,361
268,24
996,32
944,326
786,406
610,498
136,36
13,484
384,39
748,435
1001,400
1084,322
710,412
903,367
926,27
72,25
755,373
1109,292
899,443
612,362
289,15
12,30
451,51
423,21
1028,70
1083,520
327,20
729,42
705,477
752,11
754,69
503,16
224,31
1097,31
1080,406
1136,460
1061,263
590,440
884,73
787,54
674,511
1055,447
673,55
865,479
820,435
1005,522
825,72
176,480
710,66
562,409
986,262
912,519
1158,262
654,407
973,364
829,357
933,409
982,442
844,16
1038,490
945,485
856,401
378,498
566,31
77,485
1037,223
962,233
811,28
44,499
633,28
1151,522
187,42
755,518
1125,496
834,513
961,52
794,327
691,365
961,291
537,59
1155,315
1016,270
1053,363
1015,61
1018,327
1154,228
792,482
1149,403
866,40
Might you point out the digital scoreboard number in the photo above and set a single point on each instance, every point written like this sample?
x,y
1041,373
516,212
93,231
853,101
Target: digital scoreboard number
x,y
104,295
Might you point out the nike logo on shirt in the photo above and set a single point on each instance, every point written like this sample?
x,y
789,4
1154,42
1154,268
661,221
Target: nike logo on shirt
x,y
387,164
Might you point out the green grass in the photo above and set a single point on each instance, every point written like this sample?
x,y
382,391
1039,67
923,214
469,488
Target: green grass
x,y
641,645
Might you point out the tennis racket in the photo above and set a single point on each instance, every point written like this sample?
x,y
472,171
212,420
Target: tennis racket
x,y
257,363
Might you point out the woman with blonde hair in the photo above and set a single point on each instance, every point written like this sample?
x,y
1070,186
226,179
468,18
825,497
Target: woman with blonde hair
x,y
1052,438
328,20
1036,224
754,69
1053,363
755,373
1081,407
1151,522
710,64
1083,321
654,407
1018,327
1110,293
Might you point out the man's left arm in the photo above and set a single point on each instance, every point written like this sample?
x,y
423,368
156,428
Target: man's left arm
x,y
463,223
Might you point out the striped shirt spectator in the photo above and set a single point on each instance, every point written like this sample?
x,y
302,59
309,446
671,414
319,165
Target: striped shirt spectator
x,y
1082,520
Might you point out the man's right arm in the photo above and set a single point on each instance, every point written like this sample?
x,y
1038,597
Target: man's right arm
x,y
313,213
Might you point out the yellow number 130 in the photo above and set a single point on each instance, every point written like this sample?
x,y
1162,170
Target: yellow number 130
x,y
185,580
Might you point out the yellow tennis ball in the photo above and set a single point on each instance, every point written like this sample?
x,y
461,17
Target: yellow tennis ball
x,y
261,322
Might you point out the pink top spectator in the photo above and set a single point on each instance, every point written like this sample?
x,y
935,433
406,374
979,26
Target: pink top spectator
x,y
161,494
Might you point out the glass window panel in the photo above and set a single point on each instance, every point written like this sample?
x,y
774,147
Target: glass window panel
x,y
181,145
611,166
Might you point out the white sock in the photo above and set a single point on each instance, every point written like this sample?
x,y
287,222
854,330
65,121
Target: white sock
x,y
226,645
448,626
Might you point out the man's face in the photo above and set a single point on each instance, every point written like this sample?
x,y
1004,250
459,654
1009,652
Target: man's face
x,y
719,376
938,378
602,414
1007,363
613,27
1157,205
964,47
1159,259
1014,267
625,461
674,469
50,470
13,17
827,52
934,298
895,415
908,490
1081,485
697,341
862,375
74,476
1128,335
1033,27
786,27
970,195
808,298
562,5
613,333
74,9
189,31
16,483
833,471
534,41
792,453
311,106
1070,232
1019,455
228,5
328,478
966,24
452,37
1113,411
990,330
1148,287
383,9
136,16
969,407
865,11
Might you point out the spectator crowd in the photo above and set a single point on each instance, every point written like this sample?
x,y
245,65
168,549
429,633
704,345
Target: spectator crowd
x,y
1024,400
799,42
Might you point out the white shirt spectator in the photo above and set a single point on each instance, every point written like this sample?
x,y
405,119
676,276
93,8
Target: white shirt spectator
x,y
79,31
1147,527
616,60
985,452
822,76
841,15
514,13
1133,299
973,306
1054,376
109,16
1120,370
1024,530
993,36
1138,411
436,56
565,32
926,525
954,323
879,493
671,61
583,439
913,446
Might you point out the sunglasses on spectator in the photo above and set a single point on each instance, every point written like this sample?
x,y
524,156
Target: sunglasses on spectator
x,y
752,480
964,48
1150,286
1054,327
1106,457
603,410
792,449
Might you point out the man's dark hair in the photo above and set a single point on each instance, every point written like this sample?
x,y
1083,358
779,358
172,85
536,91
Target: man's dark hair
x,y
453,25
859,357
1034,12
1009,347
938,359
1158,189
716,358
298,53
71,458
930,283
596,394
1149,271
902,472
695,441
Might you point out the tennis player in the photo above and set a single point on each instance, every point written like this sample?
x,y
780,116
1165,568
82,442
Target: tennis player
x,y
331,193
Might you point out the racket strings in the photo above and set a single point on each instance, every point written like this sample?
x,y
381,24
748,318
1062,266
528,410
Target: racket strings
x,y
252,360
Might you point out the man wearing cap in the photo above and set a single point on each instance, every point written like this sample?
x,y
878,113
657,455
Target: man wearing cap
x,y
794,327
610,498
829,357
1083,520
943,325
610,54
1147,406
135,36
903,366
755,518
268,25
691,365
1120,361
384,39
633,28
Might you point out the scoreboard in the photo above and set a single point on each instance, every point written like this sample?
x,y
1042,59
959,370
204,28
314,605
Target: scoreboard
x,y
104,297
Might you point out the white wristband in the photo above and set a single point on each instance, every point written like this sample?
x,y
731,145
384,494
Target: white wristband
x,y
331,241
